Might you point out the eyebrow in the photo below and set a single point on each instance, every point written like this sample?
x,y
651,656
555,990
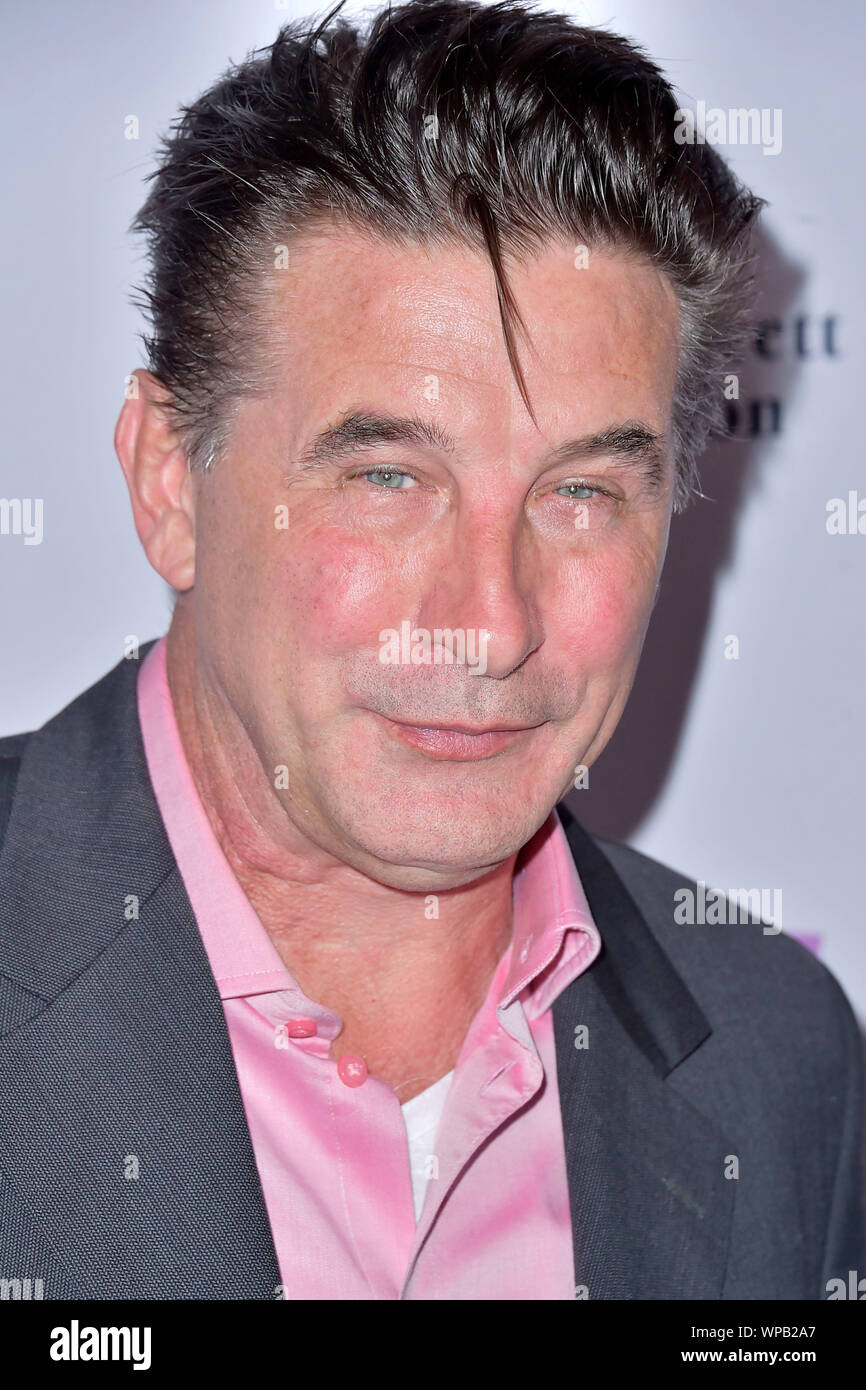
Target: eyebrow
x,y
630,443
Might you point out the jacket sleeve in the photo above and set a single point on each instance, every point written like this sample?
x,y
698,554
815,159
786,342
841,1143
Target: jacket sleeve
x,y
845,1249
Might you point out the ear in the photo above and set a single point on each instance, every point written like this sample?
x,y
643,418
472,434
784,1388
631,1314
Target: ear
x,y
160,485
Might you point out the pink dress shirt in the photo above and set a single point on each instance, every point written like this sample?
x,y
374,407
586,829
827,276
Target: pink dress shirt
x,y
333,1158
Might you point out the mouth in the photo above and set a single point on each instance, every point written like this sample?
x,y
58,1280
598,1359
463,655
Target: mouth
x,y
458,742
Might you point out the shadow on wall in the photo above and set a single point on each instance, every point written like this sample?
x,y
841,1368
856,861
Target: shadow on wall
x,y
632,770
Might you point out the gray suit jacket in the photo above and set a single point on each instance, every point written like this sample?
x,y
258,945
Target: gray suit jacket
x,y
705,1042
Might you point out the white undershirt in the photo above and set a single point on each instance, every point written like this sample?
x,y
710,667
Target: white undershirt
x,y
421,1115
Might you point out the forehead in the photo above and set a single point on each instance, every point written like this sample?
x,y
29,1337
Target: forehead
x,y
361,319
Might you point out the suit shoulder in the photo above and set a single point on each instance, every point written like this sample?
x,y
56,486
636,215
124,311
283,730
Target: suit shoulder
x,y
734,966
12,746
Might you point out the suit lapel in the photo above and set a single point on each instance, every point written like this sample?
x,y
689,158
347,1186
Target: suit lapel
x,y
651,1208
124,1129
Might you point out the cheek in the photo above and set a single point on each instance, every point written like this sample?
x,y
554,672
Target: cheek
x,y
342,590
602,608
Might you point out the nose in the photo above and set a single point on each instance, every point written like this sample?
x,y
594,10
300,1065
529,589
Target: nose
x,y
484,588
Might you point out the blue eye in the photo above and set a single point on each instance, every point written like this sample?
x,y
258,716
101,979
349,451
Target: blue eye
x,y
577,488
391,478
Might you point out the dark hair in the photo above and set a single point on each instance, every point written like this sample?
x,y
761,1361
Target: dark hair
x,y
444,121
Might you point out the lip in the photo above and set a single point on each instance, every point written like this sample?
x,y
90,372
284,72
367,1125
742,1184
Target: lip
x,y
458,742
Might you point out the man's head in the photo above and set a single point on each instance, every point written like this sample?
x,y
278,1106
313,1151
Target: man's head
x,y
441,317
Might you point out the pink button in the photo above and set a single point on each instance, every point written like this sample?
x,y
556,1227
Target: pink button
x,y
302,1028
352,1070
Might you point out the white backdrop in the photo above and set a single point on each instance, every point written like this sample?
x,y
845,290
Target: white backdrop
x,y
743,772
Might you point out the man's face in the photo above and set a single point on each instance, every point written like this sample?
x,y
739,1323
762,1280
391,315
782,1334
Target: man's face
x,y
547,566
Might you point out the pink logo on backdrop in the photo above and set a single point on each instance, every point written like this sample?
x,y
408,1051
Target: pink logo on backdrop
x,y
811,940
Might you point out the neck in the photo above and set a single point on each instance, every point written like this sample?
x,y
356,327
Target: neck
x,y
406,983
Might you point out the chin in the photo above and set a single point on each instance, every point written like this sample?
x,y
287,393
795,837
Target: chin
x,y
444,844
